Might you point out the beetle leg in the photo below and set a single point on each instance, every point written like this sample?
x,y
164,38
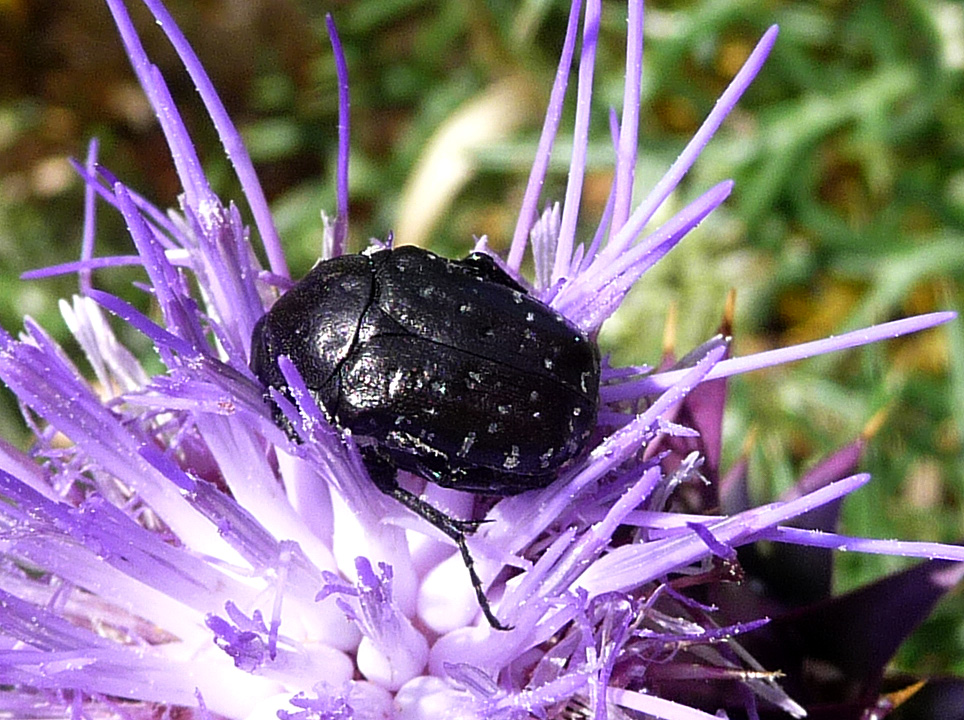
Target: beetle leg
x,y
383,473
455,529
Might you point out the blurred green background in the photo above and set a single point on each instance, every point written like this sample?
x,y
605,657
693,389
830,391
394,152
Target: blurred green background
x,y
848,152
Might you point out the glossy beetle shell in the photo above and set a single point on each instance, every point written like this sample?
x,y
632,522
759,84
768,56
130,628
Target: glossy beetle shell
x,y
448,367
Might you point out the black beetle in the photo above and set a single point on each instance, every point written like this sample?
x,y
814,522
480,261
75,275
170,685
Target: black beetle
x,y
447,369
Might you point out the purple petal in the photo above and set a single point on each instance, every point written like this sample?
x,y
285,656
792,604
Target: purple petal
x,y
642,215
344,117
631,565
734,366
185,159
230,138
629,126
83,267
580,141
593,296
537,176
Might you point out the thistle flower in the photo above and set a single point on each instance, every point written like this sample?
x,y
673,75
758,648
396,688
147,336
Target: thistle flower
x,y
167,551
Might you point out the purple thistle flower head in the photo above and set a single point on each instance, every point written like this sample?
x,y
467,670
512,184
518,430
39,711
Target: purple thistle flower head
x,y
168,550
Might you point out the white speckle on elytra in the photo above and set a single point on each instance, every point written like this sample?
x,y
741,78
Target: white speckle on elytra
x,y
395,384
512,459
467,444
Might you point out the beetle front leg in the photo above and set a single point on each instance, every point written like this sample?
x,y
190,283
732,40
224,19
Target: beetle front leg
x,y
383,474
456,530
